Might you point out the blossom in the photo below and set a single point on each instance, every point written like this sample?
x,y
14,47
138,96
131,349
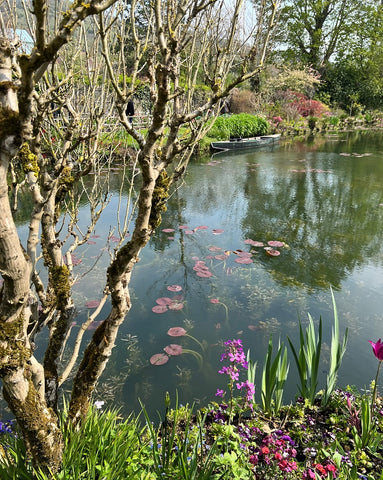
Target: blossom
x,y
220,393
250,390
377,349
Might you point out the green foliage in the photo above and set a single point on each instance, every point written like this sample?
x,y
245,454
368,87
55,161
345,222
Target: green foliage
x,y
274,376
307,359
338,349
104,447
179,453
242,125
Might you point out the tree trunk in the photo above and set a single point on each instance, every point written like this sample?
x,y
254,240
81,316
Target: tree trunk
x,y
21,374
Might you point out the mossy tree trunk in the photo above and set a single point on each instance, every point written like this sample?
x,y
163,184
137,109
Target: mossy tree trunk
x,y
21,374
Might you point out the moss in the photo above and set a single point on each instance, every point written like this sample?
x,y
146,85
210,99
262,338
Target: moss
x,y
28,160
160,195
13,352
66,183
9,122
38,427
61,285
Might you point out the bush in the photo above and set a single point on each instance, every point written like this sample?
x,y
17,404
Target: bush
x,y
243,101
242,125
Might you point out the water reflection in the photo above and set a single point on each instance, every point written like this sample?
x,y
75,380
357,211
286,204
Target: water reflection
x,y
323,199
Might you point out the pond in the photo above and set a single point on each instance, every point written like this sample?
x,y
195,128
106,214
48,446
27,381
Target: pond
x,y
319,203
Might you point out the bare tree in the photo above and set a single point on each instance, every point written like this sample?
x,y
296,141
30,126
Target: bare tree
x,y
50,125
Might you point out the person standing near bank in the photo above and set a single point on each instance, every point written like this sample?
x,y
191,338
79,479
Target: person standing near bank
x,y
130,111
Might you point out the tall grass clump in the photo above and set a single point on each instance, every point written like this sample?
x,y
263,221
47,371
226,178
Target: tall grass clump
x,y
242,125
104,447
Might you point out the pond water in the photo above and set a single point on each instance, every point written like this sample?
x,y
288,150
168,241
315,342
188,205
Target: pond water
x,y
323,199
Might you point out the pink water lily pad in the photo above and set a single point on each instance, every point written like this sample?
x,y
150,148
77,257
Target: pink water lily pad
x,y
189,232
173,349
241,253
91,242
244,260
176,332
221,257
183,227
254,243
201,227
92,303
204,274
174,288
272,252
200,268
168,230
215,249
158,359
94,325
164,301
217,231
160,309
275,243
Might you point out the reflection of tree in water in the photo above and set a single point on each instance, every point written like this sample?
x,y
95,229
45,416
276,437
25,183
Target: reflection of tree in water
x,y
331,221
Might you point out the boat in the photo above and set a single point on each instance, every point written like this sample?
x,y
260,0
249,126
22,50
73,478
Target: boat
x,y
241,143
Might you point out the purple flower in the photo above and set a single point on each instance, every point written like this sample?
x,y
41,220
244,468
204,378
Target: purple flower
x,y
250,390
377,349
220,393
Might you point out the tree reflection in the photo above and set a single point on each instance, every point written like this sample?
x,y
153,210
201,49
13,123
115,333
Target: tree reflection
x,y
325,206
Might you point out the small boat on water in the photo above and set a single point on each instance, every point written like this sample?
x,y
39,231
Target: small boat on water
x,y
240,143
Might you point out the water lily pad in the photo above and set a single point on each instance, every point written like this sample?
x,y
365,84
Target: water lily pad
x,y
244,260
174,288
204,274
158,359
164,301
275,243
92,303
168,230
160,309
176,332
173,349
272,252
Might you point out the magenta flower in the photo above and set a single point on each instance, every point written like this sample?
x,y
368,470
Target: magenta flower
x,y
220,393
377,349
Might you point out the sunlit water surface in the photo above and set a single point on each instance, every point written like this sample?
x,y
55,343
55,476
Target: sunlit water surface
x,y
323,199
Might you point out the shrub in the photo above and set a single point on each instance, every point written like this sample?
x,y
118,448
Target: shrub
x,y
242,125
243,101
307,107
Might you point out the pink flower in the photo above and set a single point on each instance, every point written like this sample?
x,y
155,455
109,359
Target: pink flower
x,y
377,349
214,300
